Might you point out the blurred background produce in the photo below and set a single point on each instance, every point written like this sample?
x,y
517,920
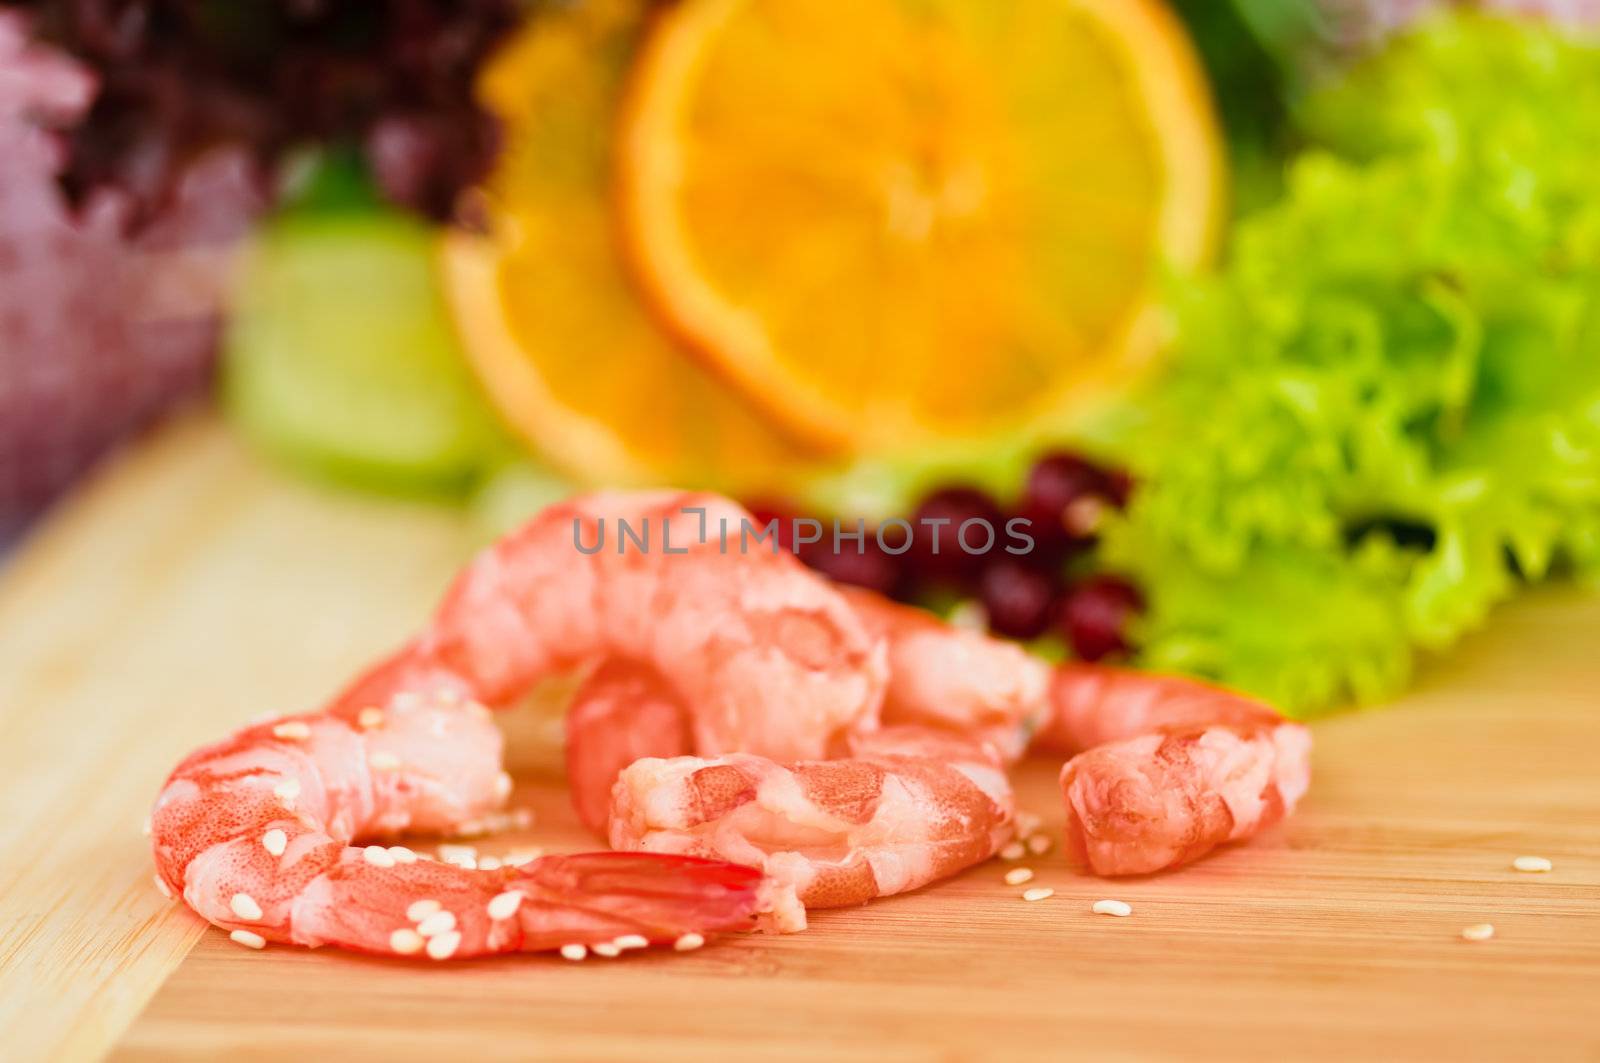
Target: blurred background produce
x,y
1279,320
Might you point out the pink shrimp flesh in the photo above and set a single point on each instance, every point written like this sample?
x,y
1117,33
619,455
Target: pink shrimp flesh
x,y
620,714
888,819
949,679
257,834
1171,767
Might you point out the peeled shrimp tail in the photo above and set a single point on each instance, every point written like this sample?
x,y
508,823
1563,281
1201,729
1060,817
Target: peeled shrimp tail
x,y
837,832
1171,767
260,835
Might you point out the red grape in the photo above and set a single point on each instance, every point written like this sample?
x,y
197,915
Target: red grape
x,y
1064,500
1095,615
1018,598
936,552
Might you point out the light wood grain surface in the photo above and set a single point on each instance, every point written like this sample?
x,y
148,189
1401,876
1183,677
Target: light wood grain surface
x,y
192,588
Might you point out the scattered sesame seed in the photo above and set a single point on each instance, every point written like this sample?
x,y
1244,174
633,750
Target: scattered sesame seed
x,y
521,856
448,852
505,905
1028,822
161,884
502,786
573,952
406,941
632,941
383,760
1532,863
1038,893
292,730
1478,932
245,907
420,910
145,830
689,942
401,855
369,718
288,789
1120,909
438,923
1018,875
465,863
275,841
608,949
377,856
444,946
1039,844
248,939
1013,851
489,863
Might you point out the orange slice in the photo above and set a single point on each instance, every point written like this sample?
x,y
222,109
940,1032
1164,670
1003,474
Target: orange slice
x,y
896,220
549,318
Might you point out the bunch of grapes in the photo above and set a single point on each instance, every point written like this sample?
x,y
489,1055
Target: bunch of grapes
x,y
1028,582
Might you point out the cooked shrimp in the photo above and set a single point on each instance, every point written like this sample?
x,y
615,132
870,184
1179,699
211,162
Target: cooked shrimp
x,y
1170,769
840,832
950,679
622,713
760,653
763,655
259,834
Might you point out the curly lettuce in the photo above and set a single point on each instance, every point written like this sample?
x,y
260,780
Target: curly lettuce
x,y
1383,413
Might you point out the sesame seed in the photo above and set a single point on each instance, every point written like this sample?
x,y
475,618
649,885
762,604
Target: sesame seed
x,y
1038,893
383,760
1028,823
444,945
632,941
573,952
145,830
465,863
1120,909
1478,932
420,910
489,863
249,940
369,718
436,924
1013,851
245,907
505,905
522,856
275,841
1039,844
502,786
608,949
1018,875
288,789
689,942
161,884
401,855
292,730
1533,864
377,856
406,941
447,851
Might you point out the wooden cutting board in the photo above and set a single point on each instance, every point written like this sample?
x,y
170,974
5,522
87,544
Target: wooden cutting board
x,y
191,588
